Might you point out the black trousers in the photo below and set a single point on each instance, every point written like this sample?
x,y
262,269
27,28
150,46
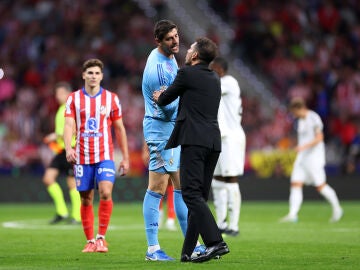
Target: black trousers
x,y
197,166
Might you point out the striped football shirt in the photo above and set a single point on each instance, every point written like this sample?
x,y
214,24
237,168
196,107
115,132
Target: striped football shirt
x,y
94,116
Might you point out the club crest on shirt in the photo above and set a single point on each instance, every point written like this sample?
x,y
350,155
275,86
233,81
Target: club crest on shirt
x,y
103,110
169,68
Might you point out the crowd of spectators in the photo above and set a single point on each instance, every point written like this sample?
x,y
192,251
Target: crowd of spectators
x,y
43,42
307,48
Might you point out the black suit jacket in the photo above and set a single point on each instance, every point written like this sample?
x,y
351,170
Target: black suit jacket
x,y
200,92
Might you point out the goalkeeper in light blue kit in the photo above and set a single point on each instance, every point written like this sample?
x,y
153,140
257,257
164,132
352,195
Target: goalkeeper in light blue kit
x,y
160,71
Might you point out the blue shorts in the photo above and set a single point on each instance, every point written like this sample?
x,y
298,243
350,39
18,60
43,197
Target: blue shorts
x,y
88,176
161,160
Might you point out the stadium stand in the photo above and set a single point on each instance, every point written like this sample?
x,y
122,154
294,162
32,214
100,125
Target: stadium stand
x,y
307,48
43,42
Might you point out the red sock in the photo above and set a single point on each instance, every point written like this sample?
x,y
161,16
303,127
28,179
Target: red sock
x,y
170,201
87,219
105,210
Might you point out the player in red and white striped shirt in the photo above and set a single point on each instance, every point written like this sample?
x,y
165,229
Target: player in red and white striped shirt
x,y
91,112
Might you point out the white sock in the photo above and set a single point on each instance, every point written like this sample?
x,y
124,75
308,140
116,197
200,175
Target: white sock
x,y
295,200
161,218
152,249
98,236
330,195
234,202
170,221
220,202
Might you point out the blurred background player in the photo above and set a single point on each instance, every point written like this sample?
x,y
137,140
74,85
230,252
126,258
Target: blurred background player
x,y
92,111
170,211
59,164
309,166
230,165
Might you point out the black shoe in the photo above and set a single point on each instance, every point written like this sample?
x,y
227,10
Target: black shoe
x,y
185,258
73,221
231,232
57,219
212,252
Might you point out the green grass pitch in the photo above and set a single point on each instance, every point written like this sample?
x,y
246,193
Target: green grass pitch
x,y
28,242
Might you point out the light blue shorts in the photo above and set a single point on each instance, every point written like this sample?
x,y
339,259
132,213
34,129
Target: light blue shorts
x,y
88,176
161,160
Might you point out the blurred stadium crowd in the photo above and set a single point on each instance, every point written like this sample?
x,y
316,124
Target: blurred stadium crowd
x,y
43,42
308,48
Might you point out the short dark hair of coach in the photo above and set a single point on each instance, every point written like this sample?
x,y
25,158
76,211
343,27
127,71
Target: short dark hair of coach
x,y
204,50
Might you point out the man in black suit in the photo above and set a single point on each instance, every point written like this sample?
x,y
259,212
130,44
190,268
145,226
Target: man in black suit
x,y
197,131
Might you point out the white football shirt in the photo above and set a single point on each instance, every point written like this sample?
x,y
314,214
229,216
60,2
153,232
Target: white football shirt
x,y
306,132
230,108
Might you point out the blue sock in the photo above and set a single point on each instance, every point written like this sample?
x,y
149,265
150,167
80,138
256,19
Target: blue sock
x,y
151,216
180,210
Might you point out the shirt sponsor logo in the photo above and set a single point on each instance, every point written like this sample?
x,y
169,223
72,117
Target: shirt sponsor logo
x,y
100,170
91,128
92,124
88,134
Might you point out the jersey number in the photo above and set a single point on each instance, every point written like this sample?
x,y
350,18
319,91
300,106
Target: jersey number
x,y
79,171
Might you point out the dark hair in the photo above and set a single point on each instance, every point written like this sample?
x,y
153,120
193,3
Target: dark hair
x,y
65,85
221,62
93,63
162,28
206,49
297,103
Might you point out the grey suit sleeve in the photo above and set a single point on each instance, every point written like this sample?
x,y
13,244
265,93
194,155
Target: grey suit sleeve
x,y
174,90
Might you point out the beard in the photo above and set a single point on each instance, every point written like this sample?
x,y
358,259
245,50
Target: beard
x,y
168,50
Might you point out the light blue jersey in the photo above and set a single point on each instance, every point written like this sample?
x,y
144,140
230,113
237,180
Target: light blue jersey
x,y
160,71
158,125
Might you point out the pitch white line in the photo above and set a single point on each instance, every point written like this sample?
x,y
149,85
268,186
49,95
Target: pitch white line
x,y
345,230
42,225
